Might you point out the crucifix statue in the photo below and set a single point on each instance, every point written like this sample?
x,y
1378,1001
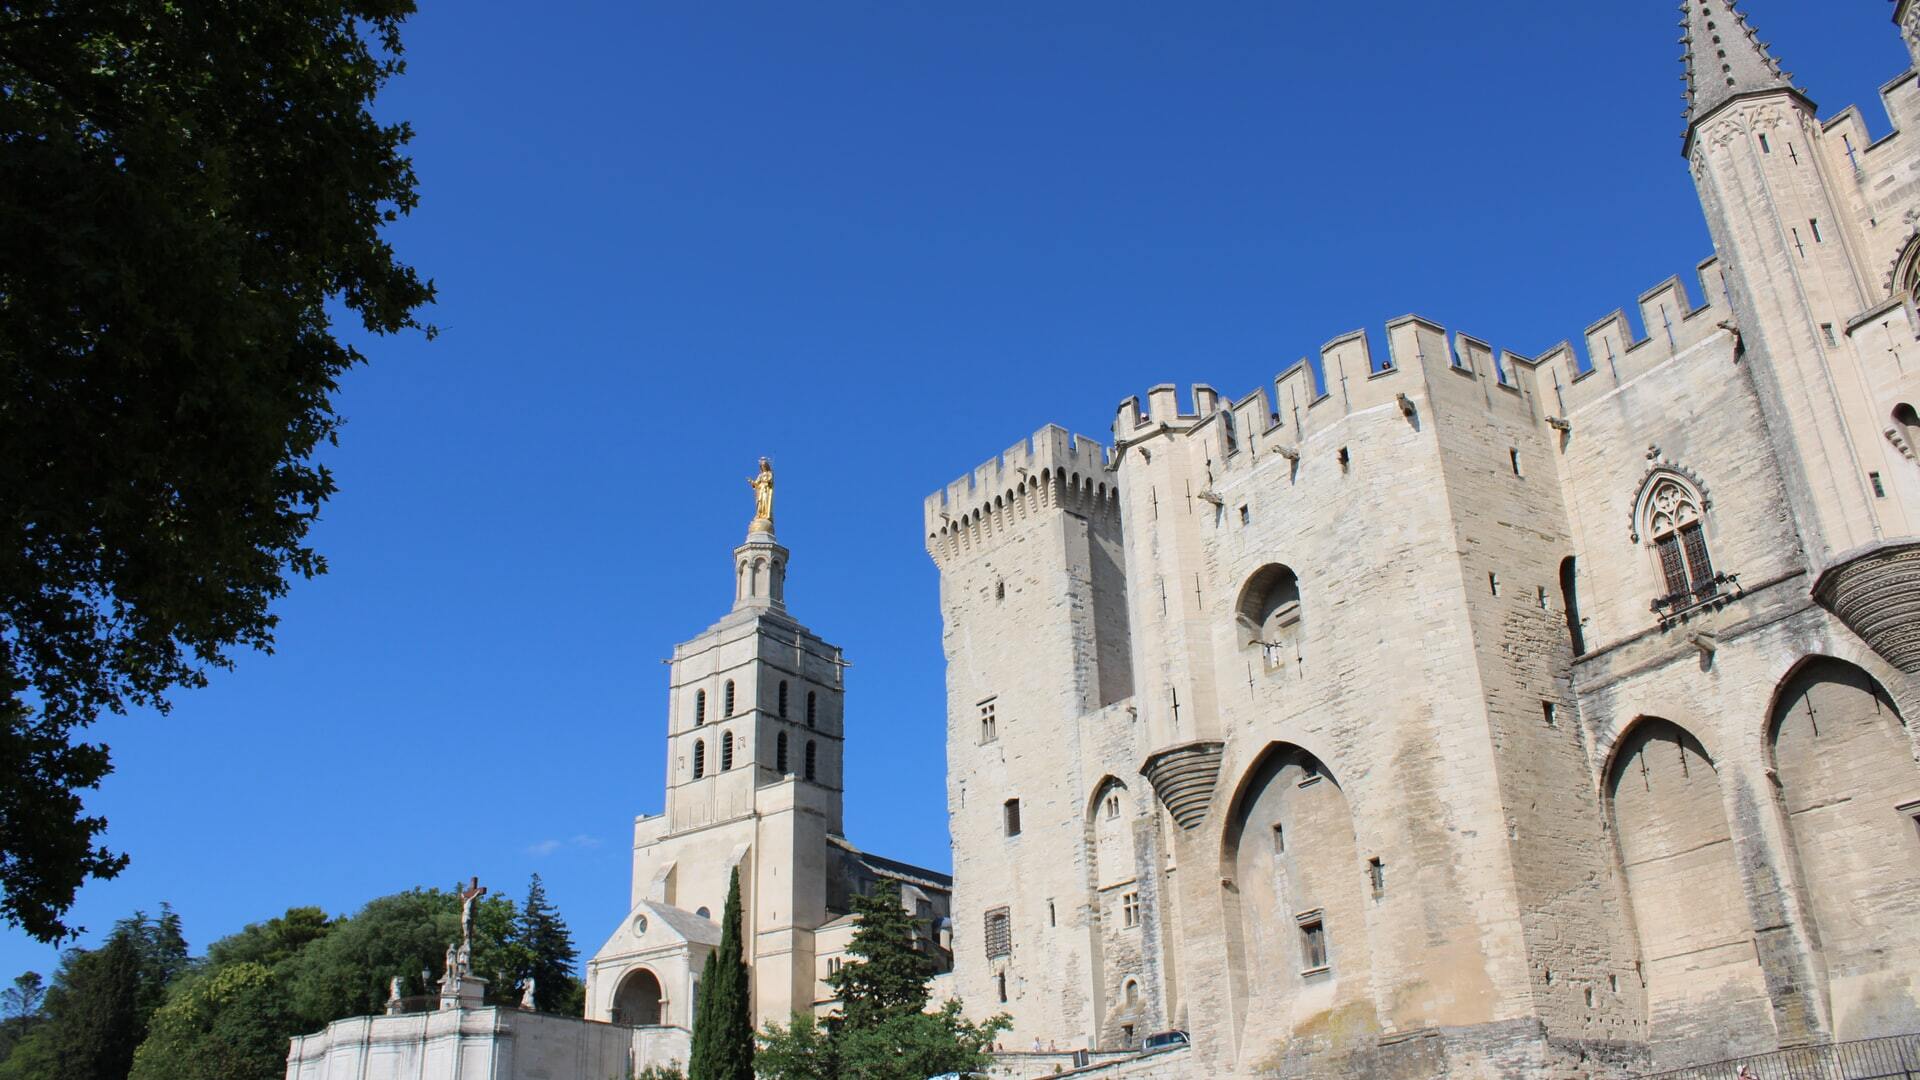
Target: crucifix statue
x,y
473,892
762,499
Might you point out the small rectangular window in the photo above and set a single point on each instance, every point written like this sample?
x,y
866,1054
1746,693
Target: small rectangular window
x,y
999,934
1513,456
1126,1033
1245,518
1814,224
1549,712
1000,981
1130,909
1377,876
989,722
1542,598
1493,583
1279,840
1313,946
1765,147
1051,919
1826,330
1013,817
1879,489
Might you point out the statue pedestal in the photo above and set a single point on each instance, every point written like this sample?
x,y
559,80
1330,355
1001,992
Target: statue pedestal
x,y
462,990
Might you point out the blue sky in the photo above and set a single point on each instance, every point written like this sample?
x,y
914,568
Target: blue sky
x,y
878,242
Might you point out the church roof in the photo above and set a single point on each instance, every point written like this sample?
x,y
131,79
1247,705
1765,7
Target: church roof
x,y
895,870
1724,58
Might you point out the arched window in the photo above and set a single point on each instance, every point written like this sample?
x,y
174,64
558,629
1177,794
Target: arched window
x,y
726,751
1133,993
699,707
783,699
726,707
1670,514
1269,614
811,705
699,758
780,753
1908,424
812,758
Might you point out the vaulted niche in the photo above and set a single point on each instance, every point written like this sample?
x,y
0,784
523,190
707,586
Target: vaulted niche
x,y
1269,615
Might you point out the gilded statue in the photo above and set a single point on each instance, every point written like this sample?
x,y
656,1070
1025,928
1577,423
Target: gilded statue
x,y
762,499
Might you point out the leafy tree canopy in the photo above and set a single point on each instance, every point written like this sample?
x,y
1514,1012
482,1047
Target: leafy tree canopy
x,y
97,1009
228,1024
883,1031
184,188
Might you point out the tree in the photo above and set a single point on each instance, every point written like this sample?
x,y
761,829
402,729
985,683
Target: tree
x,y
227,1024
99,1004
20,1004
890,977
24,996
550,951
723,1022
184,188
345,972
883,1031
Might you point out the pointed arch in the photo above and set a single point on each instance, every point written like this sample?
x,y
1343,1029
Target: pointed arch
x,y
1845,785
1296,911
1684,887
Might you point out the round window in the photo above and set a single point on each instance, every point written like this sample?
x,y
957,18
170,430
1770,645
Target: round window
x,y
639,924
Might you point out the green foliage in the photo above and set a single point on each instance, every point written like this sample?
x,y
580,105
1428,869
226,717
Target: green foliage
x,y
230,1024
96,1011
913,1046
723,1044
883,1031
890,978
272,942
23,998
802,1050
345,972
550,955
657,1072
185,189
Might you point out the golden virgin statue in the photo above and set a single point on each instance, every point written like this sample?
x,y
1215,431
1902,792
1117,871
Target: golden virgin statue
x,y
762,499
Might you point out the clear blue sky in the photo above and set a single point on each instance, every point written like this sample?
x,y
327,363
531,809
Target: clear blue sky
x,y
878,242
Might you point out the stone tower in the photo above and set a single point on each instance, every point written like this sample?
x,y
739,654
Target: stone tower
x,y
754,753
1033,593
1782,200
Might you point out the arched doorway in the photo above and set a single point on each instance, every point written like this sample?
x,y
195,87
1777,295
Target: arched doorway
x,y
1688,899
1296,917
637,1001
1846,781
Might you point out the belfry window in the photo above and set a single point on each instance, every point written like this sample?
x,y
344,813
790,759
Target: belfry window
x,y
699,707
780,753
783,699
813,758
1674,528
699,758
726,751
812,708
726,706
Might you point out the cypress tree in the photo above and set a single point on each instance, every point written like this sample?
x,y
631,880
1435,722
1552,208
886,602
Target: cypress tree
x,y
723,1020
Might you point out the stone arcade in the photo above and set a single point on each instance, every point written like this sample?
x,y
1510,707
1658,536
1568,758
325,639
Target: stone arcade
x,y
1469,714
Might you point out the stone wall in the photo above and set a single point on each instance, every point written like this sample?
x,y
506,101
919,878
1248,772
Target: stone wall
x,y
497,1043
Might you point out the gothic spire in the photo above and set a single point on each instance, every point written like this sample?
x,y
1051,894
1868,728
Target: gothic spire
x,y
1724,59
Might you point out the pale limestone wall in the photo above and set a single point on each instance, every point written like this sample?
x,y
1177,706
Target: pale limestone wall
x,y
500,1044
1554,818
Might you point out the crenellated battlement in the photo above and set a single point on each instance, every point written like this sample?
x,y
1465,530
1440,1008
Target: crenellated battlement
x,y
1422,356
1052,468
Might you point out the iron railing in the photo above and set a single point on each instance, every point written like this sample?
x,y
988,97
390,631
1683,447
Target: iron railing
x,y
1896,1057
